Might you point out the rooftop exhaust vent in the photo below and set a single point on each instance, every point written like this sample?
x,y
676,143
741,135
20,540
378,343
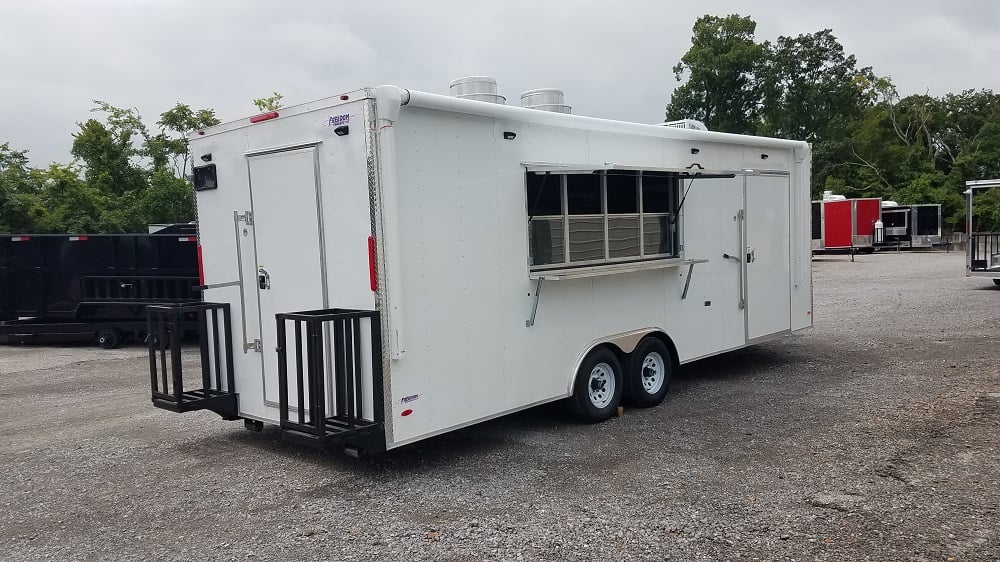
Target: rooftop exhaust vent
x,y
546,99
477,88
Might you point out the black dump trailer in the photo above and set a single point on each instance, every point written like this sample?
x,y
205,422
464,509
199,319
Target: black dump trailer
x,y
60,287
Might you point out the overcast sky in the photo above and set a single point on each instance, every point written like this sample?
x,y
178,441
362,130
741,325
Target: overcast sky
x,y
613,59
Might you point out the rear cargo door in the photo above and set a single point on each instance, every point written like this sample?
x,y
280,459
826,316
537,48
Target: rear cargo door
x,y
287,230
866,213
767,255
837,224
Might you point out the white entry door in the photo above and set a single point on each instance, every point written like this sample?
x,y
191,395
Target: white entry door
x,y
768,286
287,236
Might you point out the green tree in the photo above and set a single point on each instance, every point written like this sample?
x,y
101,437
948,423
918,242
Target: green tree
x,y
111,150
811,90
720,67
170,145
70,203
19,204
980,160
138,173
964,119
168,199
269,103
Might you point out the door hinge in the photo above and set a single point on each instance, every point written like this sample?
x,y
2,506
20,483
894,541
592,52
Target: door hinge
x,y
255,345
246,217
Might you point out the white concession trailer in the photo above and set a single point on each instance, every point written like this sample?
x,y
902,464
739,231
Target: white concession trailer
x,y
388,265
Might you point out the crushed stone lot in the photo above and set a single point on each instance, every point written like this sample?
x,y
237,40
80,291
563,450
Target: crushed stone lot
x,y
873,436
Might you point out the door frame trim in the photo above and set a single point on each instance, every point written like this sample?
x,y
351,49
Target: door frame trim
x,y
320,232
282,148
746,248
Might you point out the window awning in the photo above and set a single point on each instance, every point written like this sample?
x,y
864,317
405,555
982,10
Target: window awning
x,y
695,170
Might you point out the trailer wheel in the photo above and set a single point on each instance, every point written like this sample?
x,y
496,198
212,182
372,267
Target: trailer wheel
x,y
649,372
996,281
108,338
598,388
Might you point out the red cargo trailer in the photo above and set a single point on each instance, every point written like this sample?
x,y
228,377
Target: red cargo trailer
x,y
840,225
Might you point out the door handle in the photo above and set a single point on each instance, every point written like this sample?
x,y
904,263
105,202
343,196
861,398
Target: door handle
x,y
751,257
729,257
263,279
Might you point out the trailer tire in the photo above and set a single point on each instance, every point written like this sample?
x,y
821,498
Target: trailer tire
x,y
649,372
597,391
108,338
996,281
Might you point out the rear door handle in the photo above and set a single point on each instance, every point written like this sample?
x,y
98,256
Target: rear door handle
x,y
263,279
729,257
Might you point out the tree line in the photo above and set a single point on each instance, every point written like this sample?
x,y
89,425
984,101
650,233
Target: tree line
x,y
125,176
868,141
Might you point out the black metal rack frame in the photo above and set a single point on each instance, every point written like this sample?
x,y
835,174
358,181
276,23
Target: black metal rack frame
x,y
165,326
332,334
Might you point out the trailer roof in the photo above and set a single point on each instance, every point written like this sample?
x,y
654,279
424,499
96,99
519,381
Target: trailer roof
x,y
414,98
982,184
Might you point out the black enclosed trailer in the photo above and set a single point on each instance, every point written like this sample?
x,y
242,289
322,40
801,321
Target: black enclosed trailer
x,y
80,287
911,226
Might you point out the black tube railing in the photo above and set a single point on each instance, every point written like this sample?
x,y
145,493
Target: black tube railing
x,y
984,251
141,288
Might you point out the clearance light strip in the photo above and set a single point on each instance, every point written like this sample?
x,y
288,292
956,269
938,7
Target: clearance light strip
x,y
263,117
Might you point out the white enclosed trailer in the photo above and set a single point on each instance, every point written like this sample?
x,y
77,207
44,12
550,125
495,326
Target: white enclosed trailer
x,y
388,265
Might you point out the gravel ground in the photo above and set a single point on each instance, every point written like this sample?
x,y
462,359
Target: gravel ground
x,y
876,435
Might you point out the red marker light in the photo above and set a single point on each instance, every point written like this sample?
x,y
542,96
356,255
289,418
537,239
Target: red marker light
x,y
77,238
406,412
372,276
344,97
201,267
263,117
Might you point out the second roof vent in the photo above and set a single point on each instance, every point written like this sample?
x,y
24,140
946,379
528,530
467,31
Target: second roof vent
x,y
545,99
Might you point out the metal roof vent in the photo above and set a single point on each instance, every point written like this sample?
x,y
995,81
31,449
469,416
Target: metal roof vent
x,y
686,124
546,99
478,88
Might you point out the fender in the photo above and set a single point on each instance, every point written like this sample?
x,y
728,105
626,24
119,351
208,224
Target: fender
x,y
624,342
